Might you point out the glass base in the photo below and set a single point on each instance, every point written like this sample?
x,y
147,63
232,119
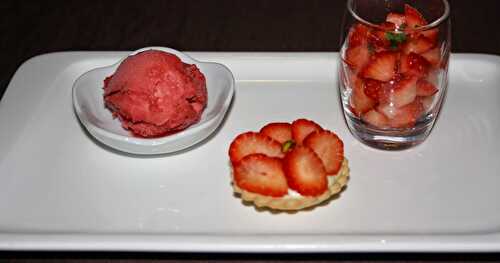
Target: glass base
x,y
389,139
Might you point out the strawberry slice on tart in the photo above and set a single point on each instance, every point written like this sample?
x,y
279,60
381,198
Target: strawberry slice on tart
x,y
329,148
305,171
261,174
252,142
279,131
303,127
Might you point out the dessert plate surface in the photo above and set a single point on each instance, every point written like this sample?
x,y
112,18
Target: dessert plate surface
x,y
62,190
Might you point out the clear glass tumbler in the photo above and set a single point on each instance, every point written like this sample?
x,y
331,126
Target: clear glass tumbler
x,y
393,70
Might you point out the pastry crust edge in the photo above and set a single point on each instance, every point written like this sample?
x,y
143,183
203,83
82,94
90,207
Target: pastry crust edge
x,y
296,203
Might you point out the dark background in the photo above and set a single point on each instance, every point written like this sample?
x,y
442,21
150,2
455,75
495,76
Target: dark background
x,y
30,28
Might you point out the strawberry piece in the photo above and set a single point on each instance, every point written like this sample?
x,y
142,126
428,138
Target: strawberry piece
x,y
303,127
433,56
373,89
375,118
431,34
404,91
329,148
414,18
407,116
359,101
425,88
381,66
252,142
396,19
279,131
414,64
305,171
261,174
387,109
427,103
357,57
418,45
377,38
358,35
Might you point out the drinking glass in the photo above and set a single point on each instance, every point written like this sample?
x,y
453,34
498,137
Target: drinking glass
x,y
393,71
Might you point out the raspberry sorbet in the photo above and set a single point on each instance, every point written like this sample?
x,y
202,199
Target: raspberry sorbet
x,y
154,93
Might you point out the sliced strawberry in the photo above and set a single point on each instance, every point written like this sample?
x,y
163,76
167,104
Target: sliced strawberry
x,y
305,171
261,174
381,66
373,89
375,118
357,57
279,131
358,35
414,64
407,116
431,34
414,18
329,148
427,102
433,56
387,109
252,142
418,45
425,88
377,38
359,101
396,19
303,127
404,92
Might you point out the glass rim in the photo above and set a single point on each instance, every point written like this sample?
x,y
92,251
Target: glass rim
x,y
431,25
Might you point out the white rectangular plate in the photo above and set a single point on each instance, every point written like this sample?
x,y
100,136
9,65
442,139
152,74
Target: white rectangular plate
x,y
60,189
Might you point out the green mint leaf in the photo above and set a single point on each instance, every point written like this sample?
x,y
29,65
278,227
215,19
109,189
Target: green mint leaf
x,y
395,38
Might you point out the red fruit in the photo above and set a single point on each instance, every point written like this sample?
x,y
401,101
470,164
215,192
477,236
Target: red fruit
x,y
357,57
303,127
404,92
431,34
329,148
372,88
407,116
279,131
252,142
414,19
375,118
357,35
425,88
305,171
378,39
433,56
427,103
381,66
418,45
387,109
359,101
396,19
414,64
261,174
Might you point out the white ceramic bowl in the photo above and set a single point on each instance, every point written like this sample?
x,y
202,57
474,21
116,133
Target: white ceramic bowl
x,y
89,106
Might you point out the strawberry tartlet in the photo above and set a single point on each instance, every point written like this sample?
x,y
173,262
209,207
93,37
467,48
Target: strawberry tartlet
x,y
288,166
